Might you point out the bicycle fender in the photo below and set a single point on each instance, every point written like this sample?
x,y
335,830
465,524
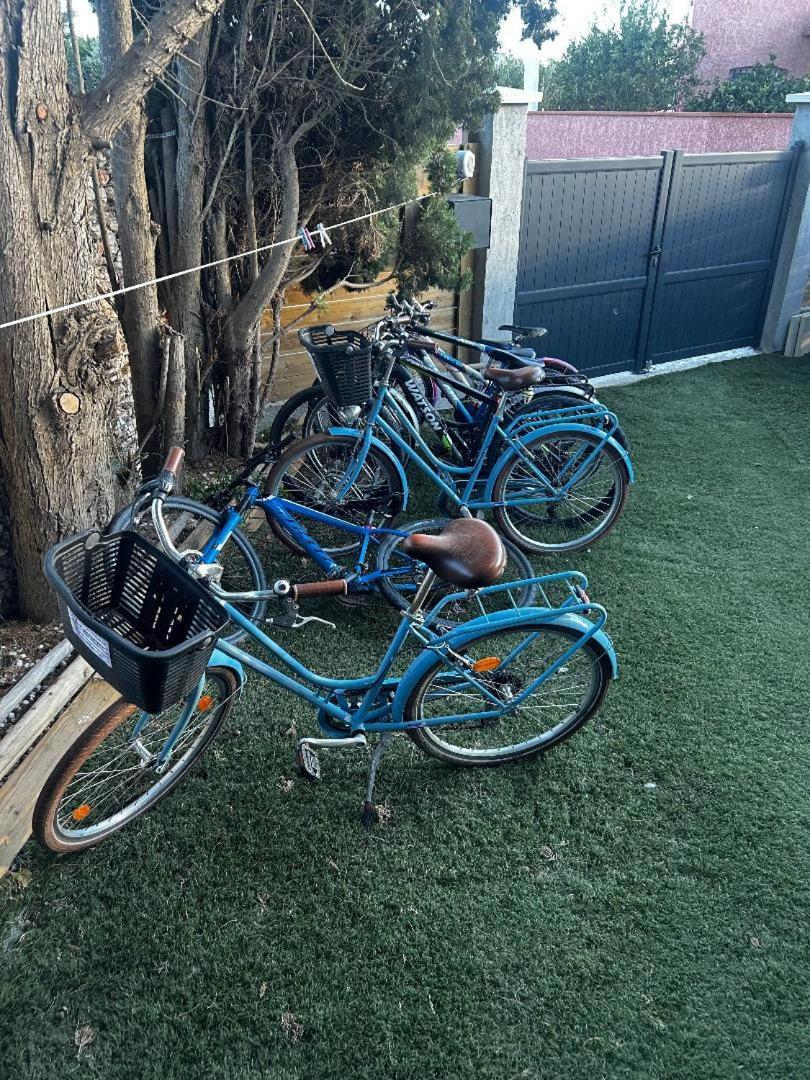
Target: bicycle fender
x,y
385,450
505,619
551,429
219,659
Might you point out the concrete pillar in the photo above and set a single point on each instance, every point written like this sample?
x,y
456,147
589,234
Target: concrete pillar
x,y
793,267
501,171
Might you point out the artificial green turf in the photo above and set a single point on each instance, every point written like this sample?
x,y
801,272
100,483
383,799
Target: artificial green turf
x,y
558,919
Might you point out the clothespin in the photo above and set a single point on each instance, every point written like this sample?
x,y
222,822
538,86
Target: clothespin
x,y
323,235
305,237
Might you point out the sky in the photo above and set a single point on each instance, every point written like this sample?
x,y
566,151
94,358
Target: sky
x,y
573,21
575,16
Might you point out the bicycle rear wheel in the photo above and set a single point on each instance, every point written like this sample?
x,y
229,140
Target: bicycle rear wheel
x,y
290,420
580,516
108,778
508,659
310,472
323,415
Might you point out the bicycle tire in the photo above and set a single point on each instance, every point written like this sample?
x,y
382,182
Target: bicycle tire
x,y
303,399
390,495
508,518
431,742
47,829
256,610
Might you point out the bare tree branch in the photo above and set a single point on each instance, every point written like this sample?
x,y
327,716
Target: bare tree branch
x,y
124,87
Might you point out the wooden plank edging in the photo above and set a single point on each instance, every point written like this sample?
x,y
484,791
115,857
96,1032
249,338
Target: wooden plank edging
x,y
19,794
42,713
31,680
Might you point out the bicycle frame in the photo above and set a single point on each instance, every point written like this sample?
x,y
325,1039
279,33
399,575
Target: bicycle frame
x,y
286,513
372,715
448,477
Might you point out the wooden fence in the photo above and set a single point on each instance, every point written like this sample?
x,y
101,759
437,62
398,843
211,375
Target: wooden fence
x,y
348,308
345,309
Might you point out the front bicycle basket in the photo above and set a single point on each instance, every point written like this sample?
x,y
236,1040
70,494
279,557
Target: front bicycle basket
x,y
135,615
342,359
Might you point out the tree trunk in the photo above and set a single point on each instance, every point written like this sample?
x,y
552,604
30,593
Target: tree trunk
x,y
140,317
241,330
251,236
187,315
168,146
61,377
172,411
276,308
57,399
238,364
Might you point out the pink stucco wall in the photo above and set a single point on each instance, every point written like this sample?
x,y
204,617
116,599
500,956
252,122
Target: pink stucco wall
x,y
750,31
606,134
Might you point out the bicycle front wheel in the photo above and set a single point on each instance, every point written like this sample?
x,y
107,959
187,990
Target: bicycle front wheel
x,y
323,415
508,660
537,521
190,525
290,420
110,775
311,472
401,574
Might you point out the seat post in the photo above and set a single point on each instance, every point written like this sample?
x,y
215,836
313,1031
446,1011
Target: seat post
x,y
421,593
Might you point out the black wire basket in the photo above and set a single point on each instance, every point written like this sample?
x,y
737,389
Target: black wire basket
x,y
342,359
135,615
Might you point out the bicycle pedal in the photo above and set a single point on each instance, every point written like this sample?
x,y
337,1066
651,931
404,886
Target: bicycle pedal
x,y
309,765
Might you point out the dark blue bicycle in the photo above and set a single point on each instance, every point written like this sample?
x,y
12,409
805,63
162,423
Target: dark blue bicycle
x,y
365,557
556,480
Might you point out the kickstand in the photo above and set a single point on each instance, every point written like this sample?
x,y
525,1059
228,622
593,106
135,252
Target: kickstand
x,y
379,750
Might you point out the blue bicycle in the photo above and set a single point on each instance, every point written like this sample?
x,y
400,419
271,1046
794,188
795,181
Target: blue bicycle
x,y
555,480
367,558
501,688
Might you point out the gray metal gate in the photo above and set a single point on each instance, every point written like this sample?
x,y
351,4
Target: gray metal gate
x,y
636,261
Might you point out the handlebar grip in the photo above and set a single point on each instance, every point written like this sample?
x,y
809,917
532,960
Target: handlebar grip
x,y
174,460
319,588
167,476
424,344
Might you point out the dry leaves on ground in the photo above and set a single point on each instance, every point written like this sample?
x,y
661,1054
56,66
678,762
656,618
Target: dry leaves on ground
x,y
82,1038
292,1026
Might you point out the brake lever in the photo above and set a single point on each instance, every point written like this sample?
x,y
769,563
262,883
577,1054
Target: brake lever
x,y
292,619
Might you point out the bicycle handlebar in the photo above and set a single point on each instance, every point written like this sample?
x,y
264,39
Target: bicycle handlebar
x,y
319,588
174,460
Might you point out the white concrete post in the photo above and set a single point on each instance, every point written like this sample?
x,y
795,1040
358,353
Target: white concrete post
x,y
793,267
502,163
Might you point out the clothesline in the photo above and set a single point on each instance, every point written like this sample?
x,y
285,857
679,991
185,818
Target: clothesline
x,y
203,266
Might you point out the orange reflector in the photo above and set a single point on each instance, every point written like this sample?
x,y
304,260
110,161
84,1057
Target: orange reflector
x,y
488,663
81,812
205,703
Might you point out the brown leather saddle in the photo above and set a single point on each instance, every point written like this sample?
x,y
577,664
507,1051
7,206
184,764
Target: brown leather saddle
x,y
515,378
467,552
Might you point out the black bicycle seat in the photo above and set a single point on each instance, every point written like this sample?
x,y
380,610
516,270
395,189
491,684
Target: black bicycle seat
x,y
509,357
514,350
524,331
